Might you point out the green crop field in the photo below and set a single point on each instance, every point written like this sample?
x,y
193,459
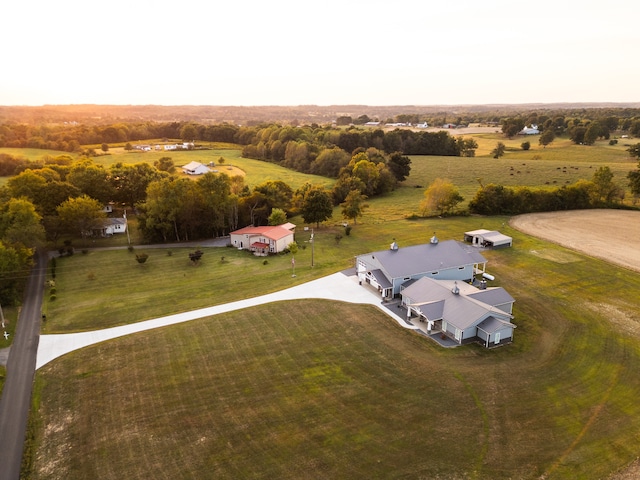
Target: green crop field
x,y
319,389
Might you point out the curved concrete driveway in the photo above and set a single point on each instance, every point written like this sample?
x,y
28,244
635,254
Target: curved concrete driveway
x,y
333,287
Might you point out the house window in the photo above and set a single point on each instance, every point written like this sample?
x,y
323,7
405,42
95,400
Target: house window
x,y
458,334
496,339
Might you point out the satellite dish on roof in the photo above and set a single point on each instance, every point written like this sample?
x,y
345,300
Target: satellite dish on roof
x,y
393,246
455,290
434,239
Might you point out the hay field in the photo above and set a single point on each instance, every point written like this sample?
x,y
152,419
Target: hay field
x,y
610,235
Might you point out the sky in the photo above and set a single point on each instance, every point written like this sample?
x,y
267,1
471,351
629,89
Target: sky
x,y
331,52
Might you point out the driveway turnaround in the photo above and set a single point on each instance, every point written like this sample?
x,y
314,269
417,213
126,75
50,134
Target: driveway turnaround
x,y
338,287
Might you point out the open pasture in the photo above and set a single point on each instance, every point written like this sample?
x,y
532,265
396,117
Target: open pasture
x,y
561,163
319,389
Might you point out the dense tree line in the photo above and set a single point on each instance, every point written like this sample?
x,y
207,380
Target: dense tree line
x,y
268,141
71,138
581,129
325,150
599,192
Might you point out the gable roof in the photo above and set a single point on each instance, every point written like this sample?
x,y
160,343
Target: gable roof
x,y
435,299
425,258
492,324
195,167
494,236
492,296
273,232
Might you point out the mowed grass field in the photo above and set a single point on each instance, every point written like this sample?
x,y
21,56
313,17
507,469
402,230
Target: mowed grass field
x,y
320,389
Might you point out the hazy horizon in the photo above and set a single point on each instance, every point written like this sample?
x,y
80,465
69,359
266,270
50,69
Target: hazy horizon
x,y
283,53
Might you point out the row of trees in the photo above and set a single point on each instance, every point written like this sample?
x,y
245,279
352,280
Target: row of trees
x,y
324,151
599,192
21,231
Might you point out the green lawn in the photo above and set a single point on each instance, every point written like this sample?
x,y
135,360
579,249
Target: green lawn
x,y
318,389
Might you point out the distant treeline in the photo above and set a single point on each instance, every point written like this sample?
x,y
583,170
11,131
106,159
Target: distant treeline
x,y
306,114
48,132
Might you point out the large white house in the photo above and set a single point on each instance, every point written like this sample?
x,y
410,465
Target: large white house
x,y
387,270
263,240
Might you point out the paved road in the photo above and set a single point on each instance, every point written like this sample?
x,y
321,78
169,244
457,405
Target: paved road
x,y
16,395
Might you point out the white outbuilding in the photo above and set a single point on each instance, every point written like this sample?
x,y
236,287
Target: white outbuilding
x,y
487,238
195,168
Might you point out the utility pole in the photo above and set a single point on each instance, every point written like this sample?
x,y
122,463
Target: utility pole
x,y
312,242
126,226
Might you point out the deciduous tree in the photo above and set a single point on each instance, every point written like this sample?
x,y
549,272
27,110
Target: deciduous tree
x,y
92,180
317,206
399,165
81,215
442,196
546,137
277,217
498,151
20,223
353,206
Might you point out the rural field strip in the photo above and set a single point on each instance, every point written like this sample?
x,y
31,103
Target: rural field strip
x,y
337,286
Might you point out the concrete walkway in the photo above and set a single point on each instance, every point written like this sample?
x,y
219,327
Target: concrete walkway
x,y
337,286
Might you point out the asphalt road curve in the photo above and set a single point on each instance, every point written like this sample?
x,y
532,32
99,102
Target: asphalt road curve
x,y
16,395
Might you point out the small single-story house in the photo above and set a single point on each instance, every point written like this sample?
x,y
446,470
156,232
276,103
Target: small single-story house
x,y
461,311
388,270
487,238
109,226
263,240
532,130
195,168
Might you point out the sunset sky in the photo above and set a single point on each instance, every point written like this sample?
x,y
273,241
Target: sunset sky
x,y
331,52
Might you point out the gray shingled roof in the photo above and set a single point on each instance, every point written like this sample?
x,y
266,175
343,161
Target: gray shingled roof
x,y
427,258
